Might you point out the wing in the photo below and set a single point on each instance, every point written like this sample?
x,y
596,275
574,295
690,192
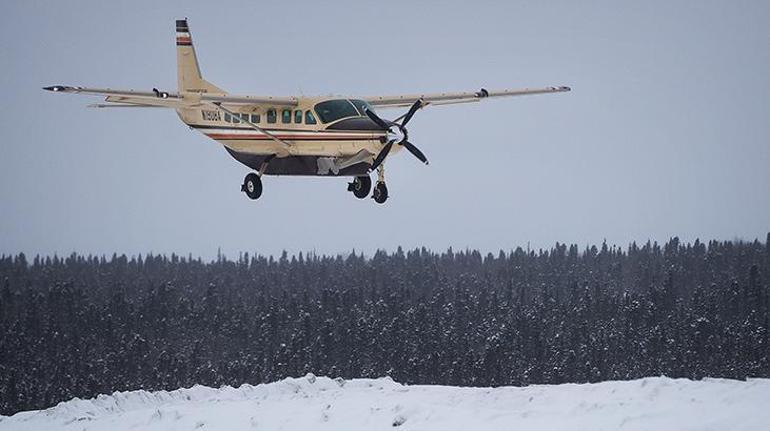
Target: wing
x,y
452,98
163,99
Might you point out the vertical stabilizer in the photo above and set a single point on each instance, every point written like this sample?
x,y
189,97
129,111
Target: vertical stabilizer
x,y
188,71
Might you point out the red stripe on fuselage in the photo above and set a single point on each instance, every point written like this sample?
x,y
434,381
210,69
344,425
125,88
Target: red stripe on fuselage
x,y
291,137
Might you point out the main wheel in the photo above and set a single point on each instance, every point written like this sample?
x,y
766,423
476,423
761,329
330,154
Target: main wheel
x,y
361,186
380,194
252,186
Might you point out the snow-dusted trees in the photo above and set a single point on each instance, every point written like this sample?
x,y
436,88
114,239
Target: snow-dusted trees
x,y
80,326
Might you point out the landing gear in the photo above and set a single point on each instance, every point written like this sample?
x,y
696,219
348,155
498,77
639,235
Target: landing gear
x,y
252,186
361,186
380,194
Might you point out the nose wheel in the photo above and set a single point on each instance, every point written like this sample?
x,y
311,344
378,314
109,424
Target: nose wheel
x,y
380,194
252,186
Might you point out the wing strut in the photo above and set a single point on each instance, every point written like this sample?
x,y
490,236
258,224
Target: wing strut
x,y
287,145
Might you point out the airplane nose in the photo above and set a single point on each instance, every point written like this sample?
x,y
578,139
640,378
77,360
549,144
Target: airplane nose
x,y
397,134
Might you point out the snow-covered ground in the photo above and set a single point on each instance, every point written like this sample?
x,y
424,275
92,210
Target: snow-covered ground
x,y
311,403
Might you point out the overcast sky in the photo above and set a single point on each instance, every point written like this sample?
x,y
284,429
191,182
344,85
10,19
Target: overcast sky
x,y
666,131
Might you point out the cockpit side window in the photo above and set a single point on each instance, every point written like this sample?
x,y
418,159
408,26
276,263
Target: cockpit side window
x,y
309,117
333,110
361,105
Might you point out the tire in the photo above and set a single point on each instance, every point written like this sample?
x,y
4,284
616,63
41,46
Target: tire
x,y
380,194
252,186
361,186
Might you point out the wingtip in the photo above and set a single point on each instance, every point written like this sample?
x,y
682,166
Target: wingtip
x,y
56,88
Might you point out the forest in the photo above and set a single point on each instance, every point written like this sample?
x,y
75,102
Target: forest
x,y
78,326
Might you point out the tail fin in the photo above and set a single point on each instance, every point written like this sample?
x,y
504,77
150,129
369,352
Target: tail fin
x,y
188,72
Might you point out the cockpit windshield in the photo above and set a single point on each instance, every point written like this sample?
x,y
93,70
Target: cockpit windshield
x,y
333,110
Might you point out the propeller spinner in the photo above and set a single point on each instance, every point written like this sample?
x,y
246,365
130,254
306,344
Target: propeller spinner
x,y
396,134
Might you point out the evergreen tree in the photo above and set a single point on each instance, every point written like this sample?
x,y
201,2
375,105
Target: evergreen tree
x,y
81,326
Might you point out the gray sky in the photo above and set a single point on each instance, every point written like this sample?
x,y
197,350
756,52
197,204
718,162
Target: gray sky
x,y
666,131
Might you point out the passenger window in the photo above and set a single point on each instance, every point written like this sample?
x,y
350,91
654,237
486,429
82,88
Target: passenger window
x,y
309,117
286,116
228,118
255,118
236,120
245,117
271,116
298,117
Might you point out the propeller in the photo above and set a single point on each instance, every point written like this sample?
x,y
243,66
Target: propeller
x,y
380,122
397,134
383,153
417,105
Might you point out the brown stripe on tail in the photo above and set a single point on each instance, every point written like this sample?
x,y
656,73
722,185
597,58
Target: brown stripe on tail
x,y
183,33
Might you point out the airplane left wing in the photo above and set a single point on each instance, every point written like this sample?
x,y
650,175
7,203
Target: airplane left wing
x,y
452,98
164,99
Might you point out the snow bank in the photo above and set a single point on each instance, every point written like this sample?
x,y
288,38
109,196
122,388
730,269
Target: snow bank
x,y
322,403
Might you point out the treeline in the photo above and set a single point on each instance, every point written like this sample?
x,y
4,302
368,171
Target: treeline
x,y
79,326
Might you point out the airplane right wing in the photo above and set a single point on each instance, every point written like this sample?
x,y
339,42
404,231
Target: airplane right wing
x,y
163,99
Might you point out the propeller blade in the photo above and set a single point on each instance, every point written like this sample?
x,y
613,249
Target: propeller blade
x,y
415,151
380,157
417,105
380,122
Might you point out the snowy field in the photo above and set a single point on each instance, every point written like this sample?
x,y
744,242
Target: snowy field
x,y
312,403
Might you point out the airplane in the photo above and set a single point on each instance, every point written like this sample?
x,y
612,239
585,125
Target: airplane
x,y
316,136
